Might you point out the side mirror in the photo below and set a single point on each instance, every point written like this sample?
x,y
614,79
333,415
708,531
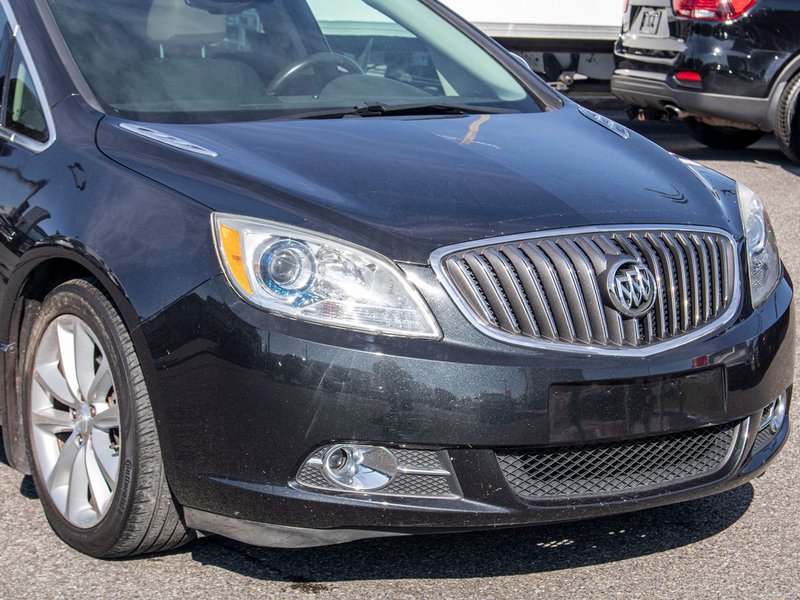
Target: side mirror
x,y
521,61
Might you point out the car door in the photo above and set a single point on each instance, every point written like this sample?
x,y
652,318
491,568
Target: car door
x,y
25,132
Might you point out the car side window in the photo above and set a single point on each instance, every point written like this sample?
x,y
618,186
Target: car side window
x,y
24,113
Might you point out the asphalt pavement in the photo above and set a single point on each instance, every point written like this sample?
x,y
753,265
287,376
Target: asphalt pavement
x,y
740,544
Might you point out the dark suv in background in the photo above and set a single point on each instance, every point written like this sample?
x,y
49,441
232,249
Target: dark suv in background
x,y
729,69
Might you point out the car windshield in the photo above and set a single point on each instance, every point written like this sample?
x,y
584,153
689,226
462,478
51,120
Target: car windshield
x,y
225,60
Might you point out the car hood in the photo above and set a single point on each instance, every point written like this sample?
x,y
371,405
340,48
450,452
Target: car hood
x,y
407,186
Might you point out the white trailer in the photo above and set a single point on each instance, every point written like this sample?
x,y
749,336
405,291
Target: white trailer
x,y
557,38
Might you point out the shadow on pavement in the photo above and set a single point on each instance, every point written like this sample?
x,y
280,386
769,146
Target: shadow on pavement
x,y
485,554
3,457
26,488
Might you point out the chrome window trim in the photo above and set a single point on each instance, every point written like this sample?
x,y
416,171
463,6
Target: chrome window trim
x,y
10,135
437,264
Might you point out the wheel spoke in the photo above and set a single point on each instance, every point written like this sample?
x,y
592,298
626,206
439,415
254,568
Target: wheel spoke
x,y
107,457
60,475
53,383
78,492
52,420
99,486
108,418
101,383
66,350
84,359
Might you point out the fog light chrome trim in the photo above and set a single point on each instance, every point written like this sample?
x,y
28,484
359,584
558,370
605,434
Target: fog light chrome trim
x,y
359,468
415,473
774,415
778,414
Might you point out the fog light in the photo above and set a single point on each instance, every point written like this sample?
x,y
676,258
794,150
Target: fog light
x,y
359,468
778,414
774,415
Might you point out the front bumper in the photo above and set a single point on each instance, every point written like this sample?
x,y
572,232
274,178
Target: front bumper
x,y
243,398
652,91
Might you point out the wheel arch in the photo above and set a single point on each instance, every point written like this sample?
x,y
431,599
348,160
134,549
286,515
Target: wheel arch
x,y
41,270
779,83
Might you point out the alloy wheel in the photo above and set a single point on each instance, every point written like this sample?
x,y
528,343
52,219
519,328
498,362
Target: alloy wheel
x,y
75,421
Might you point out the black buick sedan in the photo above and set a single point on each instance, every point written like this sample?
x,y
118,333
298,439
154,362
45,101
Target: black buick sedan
x,y
299,272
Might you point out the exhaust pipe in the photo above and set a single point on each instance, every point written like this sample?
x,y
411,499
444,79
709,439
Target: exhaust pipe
x,y
646,114
676,112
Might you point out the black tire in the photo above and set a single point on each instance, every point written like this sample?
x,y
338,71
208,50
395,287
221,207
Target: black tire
x,y
721,138
138,512
787,121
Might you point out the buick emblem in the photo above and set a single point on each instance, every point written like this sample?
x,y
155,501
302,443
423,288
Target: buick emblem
x,y
631,287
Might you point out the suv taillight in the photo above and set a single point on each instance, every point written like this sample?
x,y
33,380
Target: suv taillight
x,y
712,10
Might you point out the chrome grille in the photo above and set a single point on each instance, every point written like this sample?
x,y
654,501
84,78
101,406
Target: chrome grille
x,y
619,467
552,289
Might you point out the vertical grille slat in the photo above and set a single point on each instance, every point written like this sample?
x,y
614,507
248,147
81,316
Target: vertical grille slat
x,y
599,260
576,305
515,294
693,265
494,295
566,287
606,245
716,275
705,275
726,278
682,272
591,292
553,291
670,275
531,282
653,261
631,331
467,285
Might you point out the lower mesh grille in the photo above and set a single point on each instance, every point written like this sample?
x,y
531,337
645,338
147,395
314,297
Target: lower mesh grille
x,y
620,466
764,437
419,485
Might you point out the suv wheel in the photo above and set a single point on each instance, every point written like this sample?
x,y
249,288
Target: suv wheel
x,y
91,437
787,121
721,138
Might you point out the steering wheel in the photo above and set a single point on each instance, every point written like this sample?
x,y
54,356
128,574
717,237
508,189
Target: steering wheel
x,y
323,58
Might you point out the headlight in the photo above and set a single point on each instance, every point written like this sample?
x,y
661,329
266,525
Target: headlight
x,y
762,251
304,275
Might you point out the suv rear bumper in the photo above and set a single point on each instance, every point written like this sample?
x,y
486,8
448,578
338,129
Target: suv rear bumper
x,y
652,90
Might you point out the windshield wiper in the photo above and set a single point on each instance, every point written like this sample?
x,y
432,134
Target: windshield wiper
x,y
379,109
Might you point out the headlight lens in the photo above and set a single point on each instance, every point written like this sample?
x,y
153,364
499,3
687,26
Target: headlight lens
x,y
762,250
304,275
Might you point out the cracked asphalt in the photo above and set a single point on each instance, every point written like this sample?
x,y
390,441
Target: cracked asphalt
x,y
742,544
